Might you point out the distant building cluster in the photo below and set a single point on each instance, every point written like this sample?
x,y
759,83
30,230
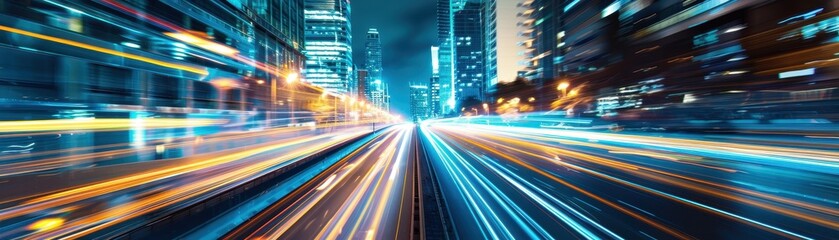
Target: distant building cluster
x,y
329,50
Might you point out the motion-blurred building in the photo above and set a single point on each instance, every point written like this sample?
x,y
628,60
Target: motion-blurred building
x,y
419,102
329,45
141,59
713,59
170,58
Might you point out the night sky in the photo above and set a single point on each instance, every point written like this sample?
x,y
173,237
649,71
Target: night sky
x,y
407,29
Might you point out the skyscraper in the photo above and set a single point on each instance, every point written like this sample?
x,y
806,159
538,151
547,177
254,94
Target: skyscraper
x,y
445,55
469,51
488,18
352,85
363,91
434,109
419,102
376,87
329,44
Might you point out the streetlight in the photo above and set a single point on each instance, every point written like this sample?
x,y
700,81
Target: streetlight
x,y
563,86
486,109
291,77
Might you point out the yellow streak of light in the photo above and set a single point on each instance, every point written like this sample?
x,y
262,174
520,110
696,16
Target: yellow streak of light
x,y
357,196
46,224
16,168
191,69
92,190
104,219
102,123
276,231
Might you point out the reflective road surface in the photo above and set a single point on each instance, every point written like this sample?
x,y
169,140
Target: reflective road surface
x,y
366,195
511,182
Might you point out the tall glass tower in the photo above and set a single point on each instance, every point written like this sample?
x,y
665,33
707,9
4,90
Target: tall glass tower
x,y
490,45
445,55
469,51
376,87
329,45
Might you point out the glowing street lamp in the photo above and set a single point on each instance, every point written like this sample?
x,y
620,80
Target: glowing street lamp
x,y
562,86
291,77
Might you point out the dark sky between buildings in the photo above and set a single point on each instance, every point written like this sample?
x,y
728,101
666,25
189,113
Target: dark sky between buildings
x,y
407,29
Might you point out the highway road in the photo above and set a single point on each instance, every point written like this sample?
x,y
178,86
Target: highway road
x,y
366,195
93,201
496,181
528,182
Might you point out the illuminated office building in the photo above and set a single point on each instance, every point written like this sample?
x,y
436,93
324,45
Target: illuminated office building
x,y
445,60
419,102
361,87
490,42
472,30
434,109
329,45
376,86
469,51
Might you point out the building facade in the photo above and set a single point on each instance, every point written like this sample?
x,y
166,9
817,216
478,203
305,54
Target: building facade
x,y
140,59
445,61
376,85
329,45
434,104
469,65
490,42
680,58
361,81
419,103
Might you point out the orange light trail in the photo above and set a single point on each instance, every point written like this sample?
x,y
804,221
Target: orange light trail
x,y
197,70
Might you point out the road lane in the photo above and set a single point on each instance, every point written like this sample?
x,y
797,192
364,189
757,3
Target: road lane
x,y
135,192
368,194
624,186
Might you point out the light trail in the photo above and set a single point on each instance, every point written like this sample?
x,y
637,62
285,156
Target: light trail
x,y
656,166
9,167
104,124
192,69
176,185
358,199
